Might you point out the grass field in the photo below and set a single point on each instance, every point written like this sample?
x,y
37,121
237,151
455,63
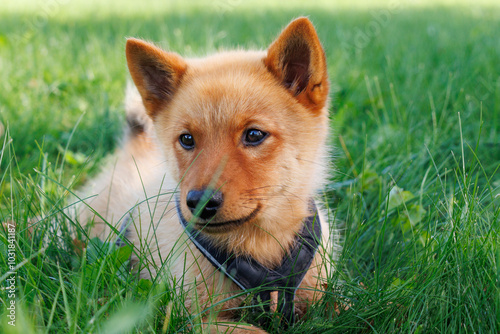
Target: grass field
x,y
415,118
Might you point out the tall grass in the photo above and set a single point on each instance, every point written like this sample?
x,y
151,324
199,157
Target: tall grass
x,y
416,130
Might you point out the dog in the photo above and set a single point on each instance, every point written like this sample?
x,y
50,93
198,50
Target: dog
x,y
224,155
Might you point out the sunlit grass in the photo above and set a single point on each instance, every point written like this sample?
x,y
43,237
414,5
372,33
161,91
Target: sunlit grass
x,y
416,130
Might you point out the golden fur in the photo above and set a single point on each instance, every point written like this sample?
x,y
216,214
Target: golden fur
x,y
282,91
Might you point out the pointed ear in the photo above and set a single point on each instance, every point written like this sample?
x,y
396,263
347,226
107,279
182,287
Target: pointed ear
x,y
156,73
297,60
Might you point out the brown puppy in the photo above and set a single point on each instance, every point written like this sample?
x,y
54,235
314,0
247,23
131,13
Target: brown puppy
x,y
249,127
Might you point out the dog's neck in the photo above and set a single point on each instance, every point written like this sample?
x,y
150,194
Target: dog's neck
x,y
265,243
252,275
265,240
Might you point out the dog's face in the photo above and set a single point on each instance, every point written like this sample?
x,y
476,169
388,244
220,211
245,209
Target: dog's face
x,y
243,132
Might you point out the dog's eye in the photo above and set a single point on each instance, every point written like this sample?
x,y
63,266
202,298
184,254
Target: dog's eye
x,y
254,137
187,141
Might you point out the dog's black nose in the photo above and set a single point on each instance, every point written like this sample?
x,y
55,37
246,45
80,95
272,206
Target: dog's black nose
x,y
204,203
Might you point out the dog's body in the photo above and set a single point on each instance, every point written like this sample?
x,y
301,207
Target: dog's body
x,y
247,128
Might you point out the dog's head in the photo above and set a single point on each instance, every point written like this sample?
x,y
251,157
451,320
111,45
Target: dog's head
x,y
243,132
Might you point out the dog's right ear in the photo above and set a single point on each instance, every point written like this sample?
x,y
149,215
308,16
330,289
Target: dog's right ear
x,y
156,73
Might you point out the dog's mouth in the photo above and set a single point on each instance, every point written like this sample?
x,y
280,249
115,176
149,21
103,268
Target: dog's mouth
x,y
224,226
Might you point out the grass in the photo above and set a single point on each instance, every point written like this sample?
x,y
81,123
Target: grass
x,y
415,119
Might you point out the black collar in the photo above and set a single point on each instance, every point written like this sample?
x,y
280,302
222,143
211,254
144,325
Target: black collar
x,y
255,278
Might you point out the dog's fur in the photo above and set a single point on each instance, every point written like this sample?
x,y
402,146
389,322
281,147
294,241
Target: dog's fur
x,y
266,188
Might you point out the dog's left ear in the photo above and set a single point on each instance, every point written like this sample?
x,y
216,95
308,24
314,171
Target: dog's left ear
x,y
297,60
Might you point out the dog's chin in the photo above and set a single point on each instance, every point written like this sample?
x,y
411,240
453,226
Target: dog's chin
x,y
214,226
